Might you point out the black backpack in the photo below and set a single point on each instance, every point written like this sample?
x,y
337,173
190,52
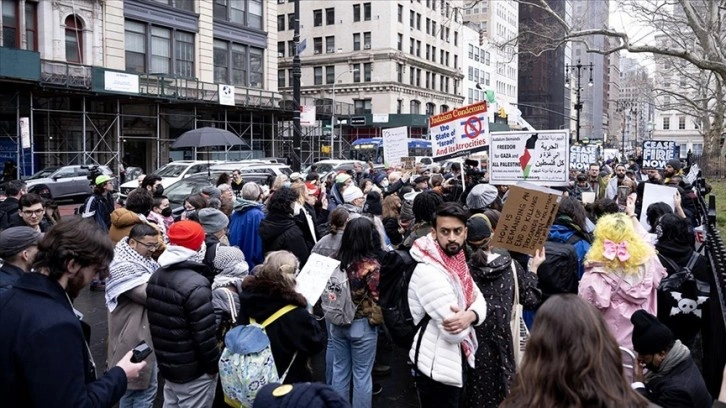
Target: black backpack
x,y
397,267
558,273
682,298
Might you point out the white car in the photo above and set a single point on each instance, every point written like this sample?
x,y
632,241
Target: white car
x,y
171,173
326,166
252,166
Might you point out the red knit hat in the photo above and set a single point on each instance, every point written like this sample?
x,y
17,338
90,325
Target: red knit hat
x,y
188,234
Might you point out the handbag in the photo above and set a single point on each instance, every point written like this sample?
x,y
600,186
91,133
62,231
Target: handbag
x,y
520,333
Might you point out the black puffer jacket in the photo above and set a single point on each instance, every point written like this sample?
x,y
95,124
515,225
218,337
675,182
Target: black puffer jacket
x,y
281,232
181,318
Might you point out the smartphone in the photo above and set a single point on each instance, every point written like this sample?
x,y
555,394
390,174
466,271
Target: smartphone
x,y
623,192
140,352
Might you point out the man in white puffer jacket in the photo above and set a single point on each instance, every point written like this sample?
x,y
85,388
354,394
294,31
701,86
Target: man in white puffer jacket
x,y
442,289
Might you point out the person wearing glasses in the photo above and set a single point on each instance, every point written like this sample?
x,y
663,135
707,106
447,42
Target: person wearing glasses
x,y
31,212
128,321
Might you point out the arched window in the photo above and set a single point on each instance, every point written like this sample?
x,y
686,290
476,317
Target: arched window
x,y
74,39
444,108
415,107
430,108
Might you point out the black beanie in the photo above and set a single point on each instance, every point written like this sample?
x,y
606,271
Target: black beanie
x,y
373,204
301,395
675,163
650,336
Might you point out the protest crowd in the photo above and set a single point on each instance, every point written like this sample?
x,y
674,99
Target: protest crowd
x,y
592,294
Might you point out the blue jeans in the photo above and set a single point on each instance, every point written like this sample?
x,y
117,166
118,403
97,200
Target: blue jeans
x,y
329,353
141,398
354,351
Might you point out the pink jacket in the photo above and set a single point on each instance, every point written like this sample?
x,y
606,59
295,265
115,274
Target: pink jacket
x,y
619,295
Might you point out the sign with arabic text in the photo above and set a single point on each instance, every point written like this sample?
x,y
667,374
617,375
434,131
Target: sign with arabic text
x,y
539,157
526,218
656,153
459,132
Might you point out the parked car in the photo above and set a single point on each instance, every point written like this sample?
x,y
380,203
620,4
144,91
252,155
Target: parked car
x,y
250,166
66,182
179,191
326,166
170,173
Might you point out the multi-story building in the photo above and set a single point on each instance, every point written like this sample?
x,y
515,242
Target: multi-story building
x,y
543,98
396,58
594,113
498,23
613,135
635,108
102,81
674,119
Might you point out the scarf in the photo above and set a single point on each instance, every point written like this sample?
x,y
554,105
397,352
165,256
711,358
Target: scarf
x,y
675,356
127,270
458,271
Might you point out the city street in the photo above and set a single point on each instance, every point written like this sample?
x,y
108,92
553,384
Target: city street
x,y
398,391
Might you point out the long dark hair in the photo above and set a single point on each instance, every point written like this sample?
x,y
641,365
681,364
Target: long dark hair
x,y
360,240
571,207
571,360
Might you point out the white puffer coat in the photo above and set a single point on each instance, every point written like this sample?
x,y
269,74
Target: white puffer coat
x,y
431,291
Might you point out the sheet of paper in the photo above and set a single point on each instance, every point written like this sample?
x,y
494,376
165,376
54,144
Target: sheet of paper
x,y
654,193
314,276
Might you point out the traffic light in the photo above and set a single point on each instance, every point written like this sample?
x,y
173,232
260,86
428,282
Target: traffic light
x,y
502,113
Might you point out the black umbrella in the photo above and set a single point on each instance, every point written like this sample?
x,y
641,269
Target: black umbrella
x,y
207,137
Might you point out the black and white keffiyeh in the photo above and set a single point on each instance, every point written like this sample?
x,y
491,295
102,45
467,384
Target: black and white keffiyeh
x,y
127,270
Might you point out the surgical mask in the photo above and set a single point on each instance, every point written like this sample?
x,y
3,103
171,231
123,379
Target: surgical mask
x,y
384,183
166,212
159,190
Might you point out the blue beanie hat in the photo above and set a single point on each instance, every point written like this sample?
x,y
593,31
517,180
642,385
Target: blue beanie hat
x,y
302,395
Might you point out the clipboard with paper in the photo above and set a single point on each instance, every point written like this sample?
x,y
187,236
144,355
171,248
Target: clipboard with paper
x,y
313,277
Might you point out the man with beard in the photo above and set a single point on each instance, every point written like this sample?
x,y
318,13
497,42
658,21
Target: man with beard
x,y
43,342
672,169
654,177
672,380
446,303
620,180
597,182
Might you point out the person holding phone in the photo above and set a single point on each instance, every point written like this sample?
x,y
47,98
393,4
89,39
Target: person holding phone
x,y
46,360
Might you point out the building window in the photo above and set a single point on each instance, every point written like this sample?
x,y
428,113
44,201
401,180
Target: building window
x,y
281,78
329,16
399,106
363,106
443,108
400,13
399,73
318,75
356,12
12,28
367,71
281,22
367,40
367,11
291,21
317,18
666,123
456,38
428,79
158,50
291,48
184,54
187,5
681,122
430,108
330,74
412,19
418,21
74,39
356,41
399,43
415,107
418,48
356,73
318,45
238,64
280,49
697,149
246,13
412,45
135,40
330,44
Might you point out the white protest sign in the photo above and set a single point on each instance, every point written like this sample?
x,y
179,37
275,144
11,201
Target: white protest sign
x,y
582,155
655,193
314,276
459,132
692,175
656,153
588,197
307,115
537,157
395,145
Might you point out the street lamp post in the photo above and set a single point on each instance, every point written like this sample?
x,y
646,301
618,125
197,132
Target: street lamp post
x,y
332,115
578,68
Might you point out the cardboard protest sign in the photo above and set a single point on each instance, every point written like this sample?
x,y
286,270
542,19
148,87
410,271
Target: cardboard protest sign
x,y
536,157
395,145
409,162
655,193
656,153
526,218
314,276
582,155
459,132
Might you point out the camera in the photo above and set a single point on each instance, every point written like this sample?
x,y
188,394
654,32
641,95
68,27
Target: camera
x,y
472,171
140,352
93,172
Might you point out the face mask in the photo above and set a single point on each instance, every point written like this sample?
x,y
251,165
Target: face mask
x,y
166,212
384,183
159,190
287,184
